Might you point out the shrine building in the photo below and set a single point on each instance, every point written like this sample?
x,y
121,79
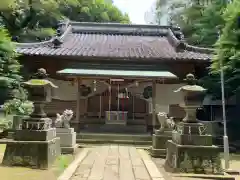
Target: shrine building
x,y
117,74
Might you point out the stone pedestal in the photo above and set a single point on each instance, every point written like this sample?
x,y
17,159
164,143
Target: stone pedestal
x,y
192,151
67,140
159,140
37,149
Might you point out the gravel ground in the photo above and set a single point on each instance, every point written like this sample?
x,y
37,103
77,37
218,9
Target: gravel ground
x,y
234,164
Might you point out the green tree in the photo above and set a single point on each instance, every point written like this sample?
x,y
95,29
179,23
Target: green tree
x,y
164,10
200,21
197,19
189,20
10,77
34,18
95,11
208,25
31,20
228,49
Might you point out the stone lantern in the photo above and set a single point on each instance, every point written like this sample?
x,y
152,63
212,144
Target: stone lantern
x,y
191,149
36,144
39,90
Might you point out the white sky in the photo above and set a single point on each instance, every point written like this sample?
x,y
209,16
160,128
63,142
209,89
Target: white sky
x,y
135,9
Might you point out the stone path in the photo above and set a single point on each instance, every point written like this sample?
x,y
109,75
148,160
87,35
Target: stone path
x,y
113,162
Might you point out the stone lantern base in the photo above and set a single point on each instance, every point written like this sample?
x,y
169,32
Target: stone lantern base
x,y
35,145
192,151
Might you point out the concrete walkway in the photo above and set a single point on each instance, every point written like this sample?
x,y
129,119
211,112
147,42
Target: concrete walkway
x,y
113,162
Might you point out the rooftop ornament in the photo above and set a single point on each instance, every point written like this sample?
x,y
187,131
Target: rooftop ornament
x,y
57,42
59,32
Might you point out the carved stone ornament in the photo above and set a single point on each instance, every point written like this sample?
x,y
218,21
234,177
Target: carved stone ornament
x,y
62,121
165,122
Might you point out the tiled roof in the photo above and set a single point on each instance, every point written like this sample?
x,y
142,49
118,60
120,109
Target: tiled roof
x,y
116,41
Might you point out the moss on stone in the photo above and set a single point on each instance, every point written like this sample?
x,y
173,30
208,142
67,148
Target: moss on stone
x,y
16,173
39,82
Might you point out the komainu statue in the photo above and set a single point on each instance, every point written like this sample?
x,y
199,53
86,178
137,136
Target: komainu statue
x,y
62,121
166,123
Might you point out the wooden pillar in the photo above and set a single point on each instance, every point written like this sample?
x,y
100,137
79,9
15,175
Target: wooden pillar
x,y
110,98
78,100
100,106
133,111
86,106
154,86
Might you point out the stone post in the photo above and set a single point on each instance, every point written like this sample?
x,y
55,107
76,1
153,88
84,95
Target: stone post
x,y
154,86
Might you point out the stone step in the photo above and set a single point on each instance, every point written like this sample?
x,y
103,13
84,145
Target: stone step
x,y
113,136
115,128
123,142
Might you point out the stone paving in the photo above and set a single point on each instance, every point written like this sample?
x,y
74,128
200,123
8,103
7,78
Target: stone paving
x,y
112,162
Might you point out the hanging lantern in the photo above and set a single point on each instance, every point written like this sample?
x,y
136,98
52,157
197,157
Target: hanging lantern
x,y
147,93
85,90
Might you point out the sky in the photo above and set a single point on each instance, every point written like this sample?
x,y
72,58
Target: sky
x,y
135,9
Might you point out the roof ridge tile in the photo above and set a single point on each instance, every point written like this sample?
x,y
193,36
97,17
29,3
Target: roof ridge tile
x,y
180,45
49,42
128,43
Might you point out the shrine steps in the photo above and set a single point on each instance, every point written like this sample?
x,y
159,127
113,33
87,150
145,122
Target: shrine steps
x,y
111,138
115,128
